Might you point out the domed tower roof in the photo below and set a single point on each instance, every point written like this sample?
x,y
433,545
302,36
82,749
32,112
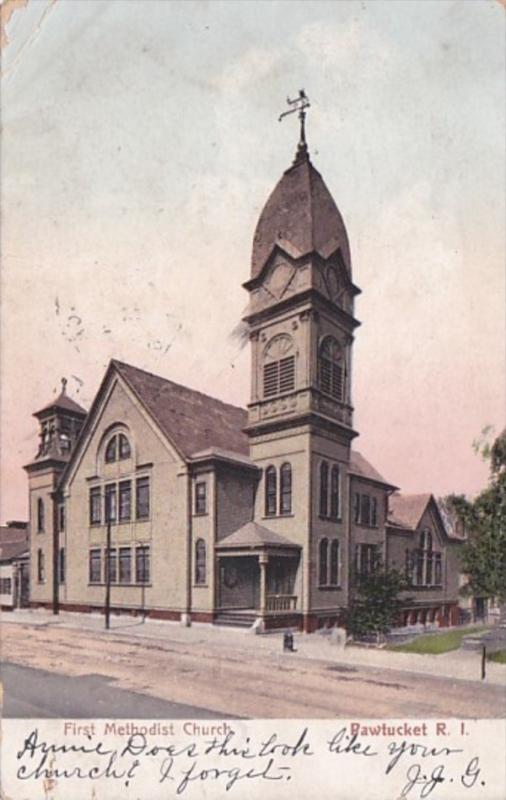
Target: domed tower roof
x,y
300,217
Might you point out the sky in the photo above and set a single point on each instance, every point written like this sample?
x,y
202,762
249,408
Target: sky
x,y
140,143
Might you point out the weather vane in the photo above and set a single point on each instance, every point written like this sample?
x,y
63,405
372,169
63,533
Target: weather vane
x,y
299,104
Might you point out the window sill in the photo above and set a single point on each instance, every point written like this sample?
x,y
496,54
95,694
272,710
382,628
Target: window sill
x,y
327,518
201,513
201,586
121,585
328,588
278,516
366,525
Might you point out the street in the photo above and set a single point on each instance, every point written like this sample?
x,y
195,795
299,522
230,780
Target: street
x,y
189,673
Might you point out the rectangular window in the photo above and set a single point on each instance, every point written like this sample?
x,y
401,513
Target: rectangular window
x,y
142,498
5,585
61,565
142,564
111,501
334,492
125,565
374,512
95,566
356,507
200,498
95,506
125,501
366,559
365,509
111,564
438,571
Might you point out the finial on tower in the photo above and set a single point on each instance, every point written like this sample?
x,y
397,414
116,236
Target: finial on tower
x,y
299,104
63,385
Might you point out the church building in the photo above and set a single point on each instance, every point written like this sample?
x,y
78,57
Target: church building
x,y
224,515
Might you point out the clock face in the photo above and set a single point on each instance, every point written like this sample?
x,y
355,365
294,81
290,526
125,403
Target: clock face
x,y
279,279
336,288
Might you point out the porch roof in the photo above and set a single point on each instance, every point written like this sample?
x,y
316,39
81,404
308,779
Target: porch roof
x,y
254,536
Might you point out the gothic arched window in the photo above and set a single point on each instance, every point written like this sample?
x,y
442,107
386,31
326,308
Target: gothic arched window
x,y
334,563
331,368
200,561
40,515
323,562
334,492
118,447
270,491
324,488
279,366
285,489
123,446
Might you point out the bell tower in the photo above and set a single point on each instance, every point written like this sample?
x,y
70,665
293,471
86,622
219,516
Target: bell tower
x,y
301,311
300,416
60,424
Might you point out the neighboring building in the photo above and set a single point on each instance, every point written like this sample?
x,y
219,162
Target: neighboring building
x,y
218,513
14,565
419,543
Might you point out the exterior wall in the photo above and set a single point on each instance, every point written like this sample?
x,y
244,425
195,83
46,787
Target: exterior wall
x,y
204,527
166,530
276,449
41,484
368,534
235,500
325,448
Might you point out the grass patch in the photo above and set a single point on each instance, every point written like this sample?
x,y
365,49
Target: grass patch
x,y
436,643
499,657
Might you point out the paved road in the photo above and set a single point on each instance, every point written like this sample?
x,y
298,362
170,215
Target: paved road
x,y
36,693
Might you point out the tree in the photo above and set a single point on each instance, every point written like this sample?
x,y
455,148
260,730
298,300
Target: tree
x,y
376,605
483,555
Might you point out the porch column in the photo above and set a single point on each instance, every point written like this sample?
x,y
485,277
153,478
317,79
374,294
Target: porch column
x,y
263,560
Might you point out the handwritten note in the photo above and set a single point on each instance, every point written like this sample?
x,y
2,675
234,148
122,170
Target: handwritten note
x,y
388,760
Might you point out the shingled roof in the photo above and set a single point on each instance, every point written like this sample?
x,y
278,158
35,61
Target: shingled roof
x,y
253,535
13,542
300,217
65,403
406,509
193,421
360,467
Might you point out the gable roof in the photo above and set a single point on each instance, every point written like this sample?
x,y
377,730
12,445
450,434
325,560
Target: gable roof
x,y
360,467
193,421
406,510
254,535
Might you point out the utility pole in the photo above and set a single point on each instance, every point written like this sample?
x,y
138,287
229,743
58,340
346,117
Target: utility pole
x,y
108,573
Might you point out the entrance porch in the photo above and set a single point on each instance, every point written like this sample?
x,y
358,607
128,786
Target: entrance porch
x,y
257,572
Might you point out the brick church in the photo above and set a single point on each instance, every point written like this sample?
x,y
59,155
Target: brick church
x,y
224,515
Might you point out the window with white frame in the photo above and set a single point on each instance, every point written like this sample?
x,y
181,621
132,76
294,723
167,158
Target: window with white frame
x,y
95,566
365,509
200,498
125,565
285,489
328,563
142,564
142,500
330,490
271,483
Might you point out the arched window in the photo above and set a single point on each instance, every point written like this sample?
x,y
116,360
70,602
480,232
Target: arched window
x,y
324,488
111,451
285,492
334,492
200,561
40,515
123,446
323,562
41,570
118,447
334,563
427,556
270,491
331,370
279,366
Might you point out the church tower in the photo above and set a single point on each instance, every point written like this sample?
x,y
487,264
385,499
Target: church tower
x,y
300,421
60,424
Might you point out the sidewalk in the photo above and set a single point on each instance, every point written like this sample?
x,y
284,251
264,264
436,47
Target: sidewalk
x,y
456,664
